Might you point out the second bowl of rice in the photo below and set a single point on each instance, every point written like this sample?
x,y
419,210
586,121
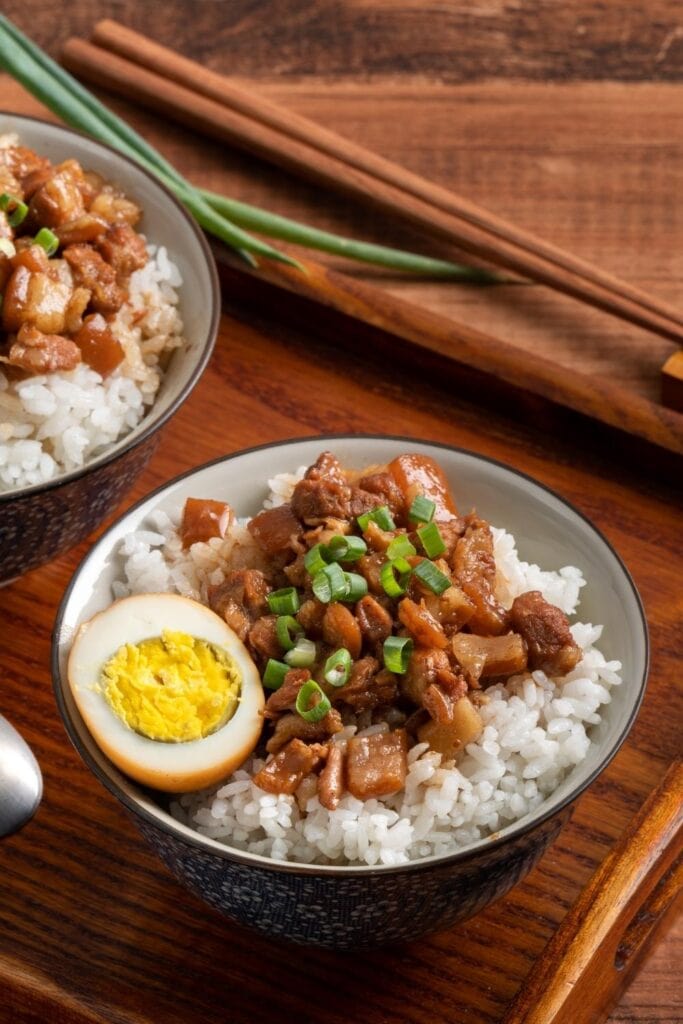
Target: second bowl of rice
x,y
72,442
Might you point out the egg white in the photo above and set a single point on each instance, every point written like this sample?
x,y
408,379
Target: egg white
x,y
172,767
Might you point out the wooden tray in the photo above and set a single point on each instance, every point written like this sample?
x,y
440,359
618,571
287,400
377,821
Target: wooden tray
x,y
92,927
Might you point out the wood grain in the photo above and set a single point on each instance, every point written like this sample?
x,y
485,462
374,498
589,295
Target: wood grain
x,y
86,912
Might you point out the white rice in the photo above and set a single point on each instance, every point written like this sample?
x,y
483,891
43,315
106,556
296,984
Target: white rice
x,y
536,729
54,423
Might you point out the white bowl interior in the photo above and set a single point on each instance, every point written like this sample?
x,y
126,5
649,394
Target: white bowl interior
x,y
163,223
547,530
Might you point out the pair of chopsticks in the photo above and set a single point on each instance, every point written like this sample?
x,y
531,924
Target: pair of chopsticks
x,y
137,68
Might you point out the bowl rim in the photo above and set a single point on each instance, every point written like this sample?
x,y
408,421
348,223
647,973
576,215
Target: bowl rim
x,y
256,861
155,422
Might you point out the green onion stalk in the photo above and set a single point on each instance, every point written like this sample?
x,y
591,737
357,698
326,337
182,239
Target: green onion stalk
x,y
226,219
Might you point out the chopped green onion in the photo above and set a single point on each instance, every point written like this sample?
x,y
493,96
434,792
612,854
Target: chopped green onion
x,y
338,667
289,631
432,577
346,549
330,584
431,540
381,516
47,240
284,602
397,651
394,577
315,560
7,248
274,675
422,510
302,654
312,713
400,547
15,209
356,586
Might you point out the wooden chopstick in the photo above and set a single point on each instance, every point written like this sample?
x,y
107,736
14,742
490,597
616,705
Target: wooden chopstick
x,y
584,967
259,127
433,332
119,39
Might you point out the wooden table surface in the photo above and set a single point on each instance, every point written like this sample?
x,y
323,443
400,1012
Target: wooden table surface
x,y
566,118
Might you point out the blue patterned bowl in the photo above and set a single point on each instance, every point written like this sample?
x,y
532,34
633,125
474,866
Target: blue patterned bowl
x,y
353,907
37,523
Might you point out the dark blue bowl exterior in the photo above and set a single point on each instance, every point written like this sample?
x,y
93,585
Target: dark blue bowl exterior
x,y
36,527
354,911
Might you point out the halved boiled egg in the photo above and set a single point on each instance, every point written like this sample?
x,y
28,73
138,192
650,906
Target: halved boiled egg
x,y
167,690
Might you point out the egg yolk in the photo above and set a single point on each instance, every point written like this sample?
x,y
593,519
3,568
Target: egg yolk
x,y
173,688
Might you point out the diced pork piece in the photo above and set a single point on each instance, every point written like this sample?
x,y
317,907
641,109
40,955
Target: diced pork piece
x,y
376,765
32,257
421,624
35,299
370,567
276,530
262,638
384,487
33,181
36,352
449,738
242,596
424,664
451,532
73,322
286,770
421,475
204,518
475,569
310,617
454,609
86,228
296,571
103,353
22,161
340,629
284,698
60,199
5,266
290,726
315,500
255,590
376,538
90,271
113,207
331,780
482,656
326,467
367,687
363,501
375,621
546,631
438,704
124,250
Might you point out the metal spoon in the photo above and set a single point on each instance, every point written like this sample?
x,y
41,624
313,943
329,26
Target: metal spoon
x,y
21,783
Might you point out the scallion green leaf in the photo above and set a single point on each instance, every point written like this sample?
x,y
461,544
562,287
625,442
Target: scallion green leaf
x,y
396,652
274,675
432,577
47,240
338,667
345,549
15,209
330,584
400,547
356,586
381,516
422,510
302,655
394,577
308,711
284,601
315,560
289,631
431,540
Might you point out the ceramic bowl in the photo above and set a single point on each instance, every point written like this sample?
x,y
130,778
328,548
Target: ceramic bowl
x,y
359,906
39,522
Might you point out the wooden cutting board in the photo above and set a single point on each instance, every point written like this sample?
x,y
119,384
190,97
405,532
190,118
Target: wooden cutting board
x,y
92,927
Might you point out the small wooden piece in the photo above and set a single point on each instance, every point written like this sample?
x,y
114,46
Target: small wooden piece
x,y
672,382
587,963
